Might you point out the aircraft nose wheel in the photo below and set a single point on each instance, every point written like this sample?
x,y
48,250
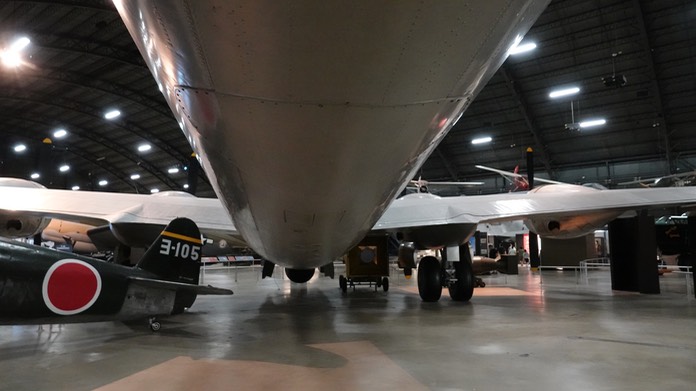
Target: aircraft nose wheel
x,y
155,325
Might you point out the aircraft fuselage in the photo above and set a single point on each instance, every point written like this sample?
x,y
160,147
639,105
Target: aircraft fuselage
x,y
309,118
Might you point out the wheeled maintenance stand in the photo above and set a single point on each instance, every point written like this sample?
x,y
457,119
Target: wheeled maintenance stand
x,y
367,264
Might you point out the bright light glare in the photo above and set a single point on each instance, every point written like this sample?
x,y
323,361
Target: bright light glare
x,y
523,48
64,168
481,140
20,44
35,175
186,185
112,114
564,92
76,187
60,133
103,182
11,57
593,122
144,147
135,176
20,148
173,170
155,190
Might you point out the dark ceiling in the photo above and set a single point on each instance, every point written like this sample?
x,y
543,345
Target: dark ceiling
x,y
83,62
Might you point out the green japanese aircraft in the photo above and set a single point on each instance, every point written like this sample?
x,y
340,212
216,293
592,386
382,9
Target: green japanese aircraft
x,y
40,285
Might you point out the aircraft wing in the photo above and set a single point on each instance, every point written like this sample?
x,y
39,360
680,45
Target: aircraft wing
x,y
425,209
101,208
175,286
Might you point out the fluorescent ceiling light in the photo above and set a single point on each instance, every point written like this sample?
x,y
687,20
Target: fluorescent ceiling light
x,y
112,114
76,187
523,48
593,122
103,182
564,92
173,170
60,133
144,147
35,175
482,140
135,176
64,168
20,148
155,190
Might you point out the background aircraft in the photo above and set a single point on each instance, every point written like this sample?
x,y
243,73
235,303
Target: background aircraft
x,y
676,180
429,221
40,285
519,182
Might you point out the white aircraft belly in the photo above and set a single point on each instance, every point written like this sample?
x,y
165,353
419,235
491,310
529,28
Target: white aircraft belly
x,y
309,117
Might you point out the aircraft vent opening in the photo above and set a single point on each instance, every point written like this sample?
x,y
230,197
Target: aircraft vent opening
x,y
14,224
554,226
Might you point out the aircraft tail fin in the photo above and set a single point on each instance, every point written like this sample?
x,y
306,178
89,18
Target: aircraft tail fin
x,y
176,253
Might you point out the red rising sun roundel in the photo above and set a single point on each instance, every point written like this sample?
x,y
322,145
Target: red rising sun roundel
x,y
71,286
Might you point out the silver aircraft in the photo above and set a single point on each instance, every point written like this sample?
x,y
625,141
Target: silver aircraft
x,y
287,103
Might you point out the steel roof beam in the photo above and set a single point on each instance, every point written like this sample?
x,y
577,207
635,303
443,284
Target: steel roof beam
x,y
523,106
655,85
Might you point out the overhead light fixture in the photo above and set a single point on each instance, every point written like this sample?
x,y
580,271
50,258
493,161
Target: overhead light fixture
x,y
64,168
155,190
60,133
592,123
522,48
112,114
20,148
186,185
564,92
614,81
11,56
103,182
482,140
35,175
173,170
76,187
135,177
144,147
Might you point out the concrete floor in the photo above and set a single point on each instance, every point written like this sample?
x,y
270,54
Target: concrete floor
x,y
515,334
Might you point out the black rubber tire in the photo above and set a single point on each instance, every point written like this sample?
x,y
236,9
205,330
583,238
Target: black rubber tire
x,y
155,326
429,279
343,283
299,276
385,284
463,288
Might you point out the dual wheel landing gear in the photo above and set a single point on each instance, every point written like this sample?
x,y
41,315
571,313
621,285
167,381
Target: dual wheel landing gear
x,y
344,282
458,277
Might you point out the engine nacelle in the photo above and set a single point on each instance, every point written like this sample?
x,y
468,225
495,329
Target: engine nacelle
x,y
14,225
567,227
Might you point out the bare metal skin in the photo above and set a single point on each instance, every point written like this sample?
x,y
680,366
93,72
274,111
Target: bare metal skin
x,y
310,117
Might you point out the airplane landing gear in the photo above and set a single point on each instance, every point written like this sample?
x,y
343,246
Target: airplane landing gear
x,y
299,276
461,281
155,325
429,279
457,276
